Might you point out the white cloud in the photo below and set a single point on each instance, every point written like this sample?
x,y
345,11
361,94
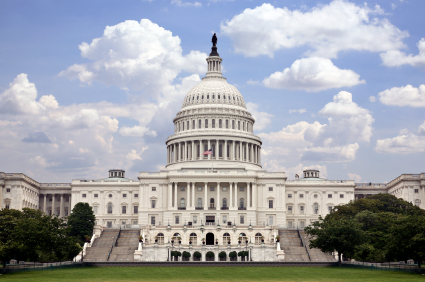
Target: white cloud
x,y
262,119
7,122
404,143
300,111
327,29
338,141
253,82
312,74
403,96
136,56
136,131
372,99
185,4
357,178
396,58
49,101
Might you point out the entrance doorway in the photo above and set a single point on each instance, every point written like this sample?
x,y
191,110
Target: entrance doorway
x,y
209,239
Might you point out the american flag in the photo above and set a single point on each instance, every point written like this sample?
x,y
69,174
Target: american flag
x,y
209,152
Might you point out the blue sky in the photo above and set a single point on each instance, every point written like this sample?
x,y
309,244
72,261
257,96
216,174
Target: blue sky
x,y
86,86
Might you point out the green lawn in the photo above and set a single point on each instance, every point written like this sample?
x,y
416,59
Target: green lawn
x,y
187,274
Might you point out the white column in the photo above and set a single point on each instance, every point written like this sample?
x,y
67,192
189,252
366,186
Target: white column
x,y
61,206
53,204
248,192
209,147
176,187
231,195
225,150
193,195
205,199
174,152
233,151
170,195
218,195
201,149
188,195
236,195
44,204
252,153
254,195
193,150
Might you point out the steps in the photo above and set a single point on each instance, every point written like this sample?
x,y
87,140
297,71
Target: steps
x,y
316,255
127,243
99,251
291,243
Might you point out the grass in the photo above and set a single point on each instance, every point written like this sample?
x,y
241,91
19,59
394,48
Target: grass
x,y
189,274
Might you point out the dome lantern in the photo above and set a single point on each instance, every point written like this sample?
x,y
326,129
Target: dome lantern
x,y
214,60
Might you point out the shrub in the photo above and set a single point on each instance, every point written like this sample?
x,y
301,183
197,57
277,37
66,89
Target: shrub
x,y
232,254
197,254
210,255
222,254
186,254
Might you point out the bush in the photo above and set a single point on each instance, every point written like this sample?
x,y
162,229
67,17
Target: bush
x,y
197,255
240,254
186,254
210,255
222,254
232,254
245,254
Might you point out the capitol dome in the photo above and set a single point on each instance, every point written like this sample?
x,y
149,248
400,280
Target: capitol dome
x,y
214,118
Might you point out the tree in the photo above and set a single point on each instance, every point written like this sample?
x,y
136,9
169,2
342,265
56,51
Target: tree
x,y
222,254
336,235
81,221
197,255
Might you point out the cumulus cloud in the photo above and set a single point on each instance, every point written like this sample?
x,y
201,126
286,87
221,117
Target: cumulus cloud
x,y
37,137
312,74
136,131
403,96
8,122
262,119
327,29
300,111
337,141
137,56
357,178
396,58
49,101
404,143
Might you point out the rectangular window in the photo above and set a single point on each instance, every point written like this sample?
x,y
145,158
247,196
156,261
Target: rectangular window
x,y
124,209
136,195
329,196
124,195
224,219
109,224
123,222
239,125
199,124
193,124
329,209
242,219
84,195
66,211
213,123
289,195
416,191
270,189
241,189
301,209
153,188
66,199
302,223
134,222
270,204
182,189
206,123
195,219
227,123
289,223
135,209
233,124
270,220
289,209
199,189
177,219
211,189
341,196
301,195
7,206
95,209
96,195
152,220
8,190
224,189
153,204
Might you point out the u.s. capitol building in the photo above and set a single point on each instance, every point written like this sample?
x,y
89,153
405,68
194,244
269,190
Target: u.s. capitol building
x,y
225,197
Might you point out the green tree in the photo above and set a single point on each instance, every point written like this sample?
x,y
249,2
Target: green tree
x,y
336,235
81,221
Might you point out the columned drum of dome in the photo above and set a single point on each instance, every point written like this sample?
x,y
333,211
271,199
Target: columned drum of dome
x,y
214,117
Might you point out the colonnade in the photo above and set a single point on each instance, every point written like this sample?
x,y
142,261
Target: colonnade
x,y
183,151
62,212
191,202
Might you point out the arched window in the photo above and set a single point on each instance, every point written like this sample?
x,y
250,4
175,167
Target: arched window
x,y
206,123
179,126
220,151
233,123
224,203
316,208
211,202
258,238
219,123
218,96
182,203
199,124
188,125
110,208
243,236
160,238
193,124
213,123
193,238
241,203
182,126
199,202
226,238
227,123
208,96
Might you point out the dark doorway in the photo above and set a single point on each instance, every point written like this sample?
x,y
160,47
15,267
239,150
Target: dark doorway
x,y
210,220
210,239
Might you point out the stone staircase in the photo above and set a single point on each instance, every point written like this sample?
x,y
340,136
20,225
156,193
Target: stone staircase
x,y
316,255
123,251
290,242
127,243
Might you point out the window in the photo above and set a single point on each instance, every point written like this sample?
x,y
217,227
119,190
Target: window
x,y
239,125
195,219
134,222
289,223
199,124
84,195
220,151
182,126
227,123
110,195
212,202
124,195
301,196
109,224
199,202
270,189
224,203
289,195
315,195
241,203
124,209
341,196
152,220
289,209
224,189
316,208
200,189
258,239
8,190
182,189
153,204
211,189
416,191
224,219
96,195
193,238
177,219
219,123
329,196
301,209
329,209
206,123
193,124
187,128
160,238
270,220
182,203
136,209
302,223
241,189
226,238
136,195
270,204
243,126
242,219
153,188
213,123
109,208
66,211
233,124
95,209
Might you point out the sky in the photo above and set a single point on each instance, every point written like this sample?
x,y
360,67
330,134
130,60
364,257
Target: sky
x,y
87,86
